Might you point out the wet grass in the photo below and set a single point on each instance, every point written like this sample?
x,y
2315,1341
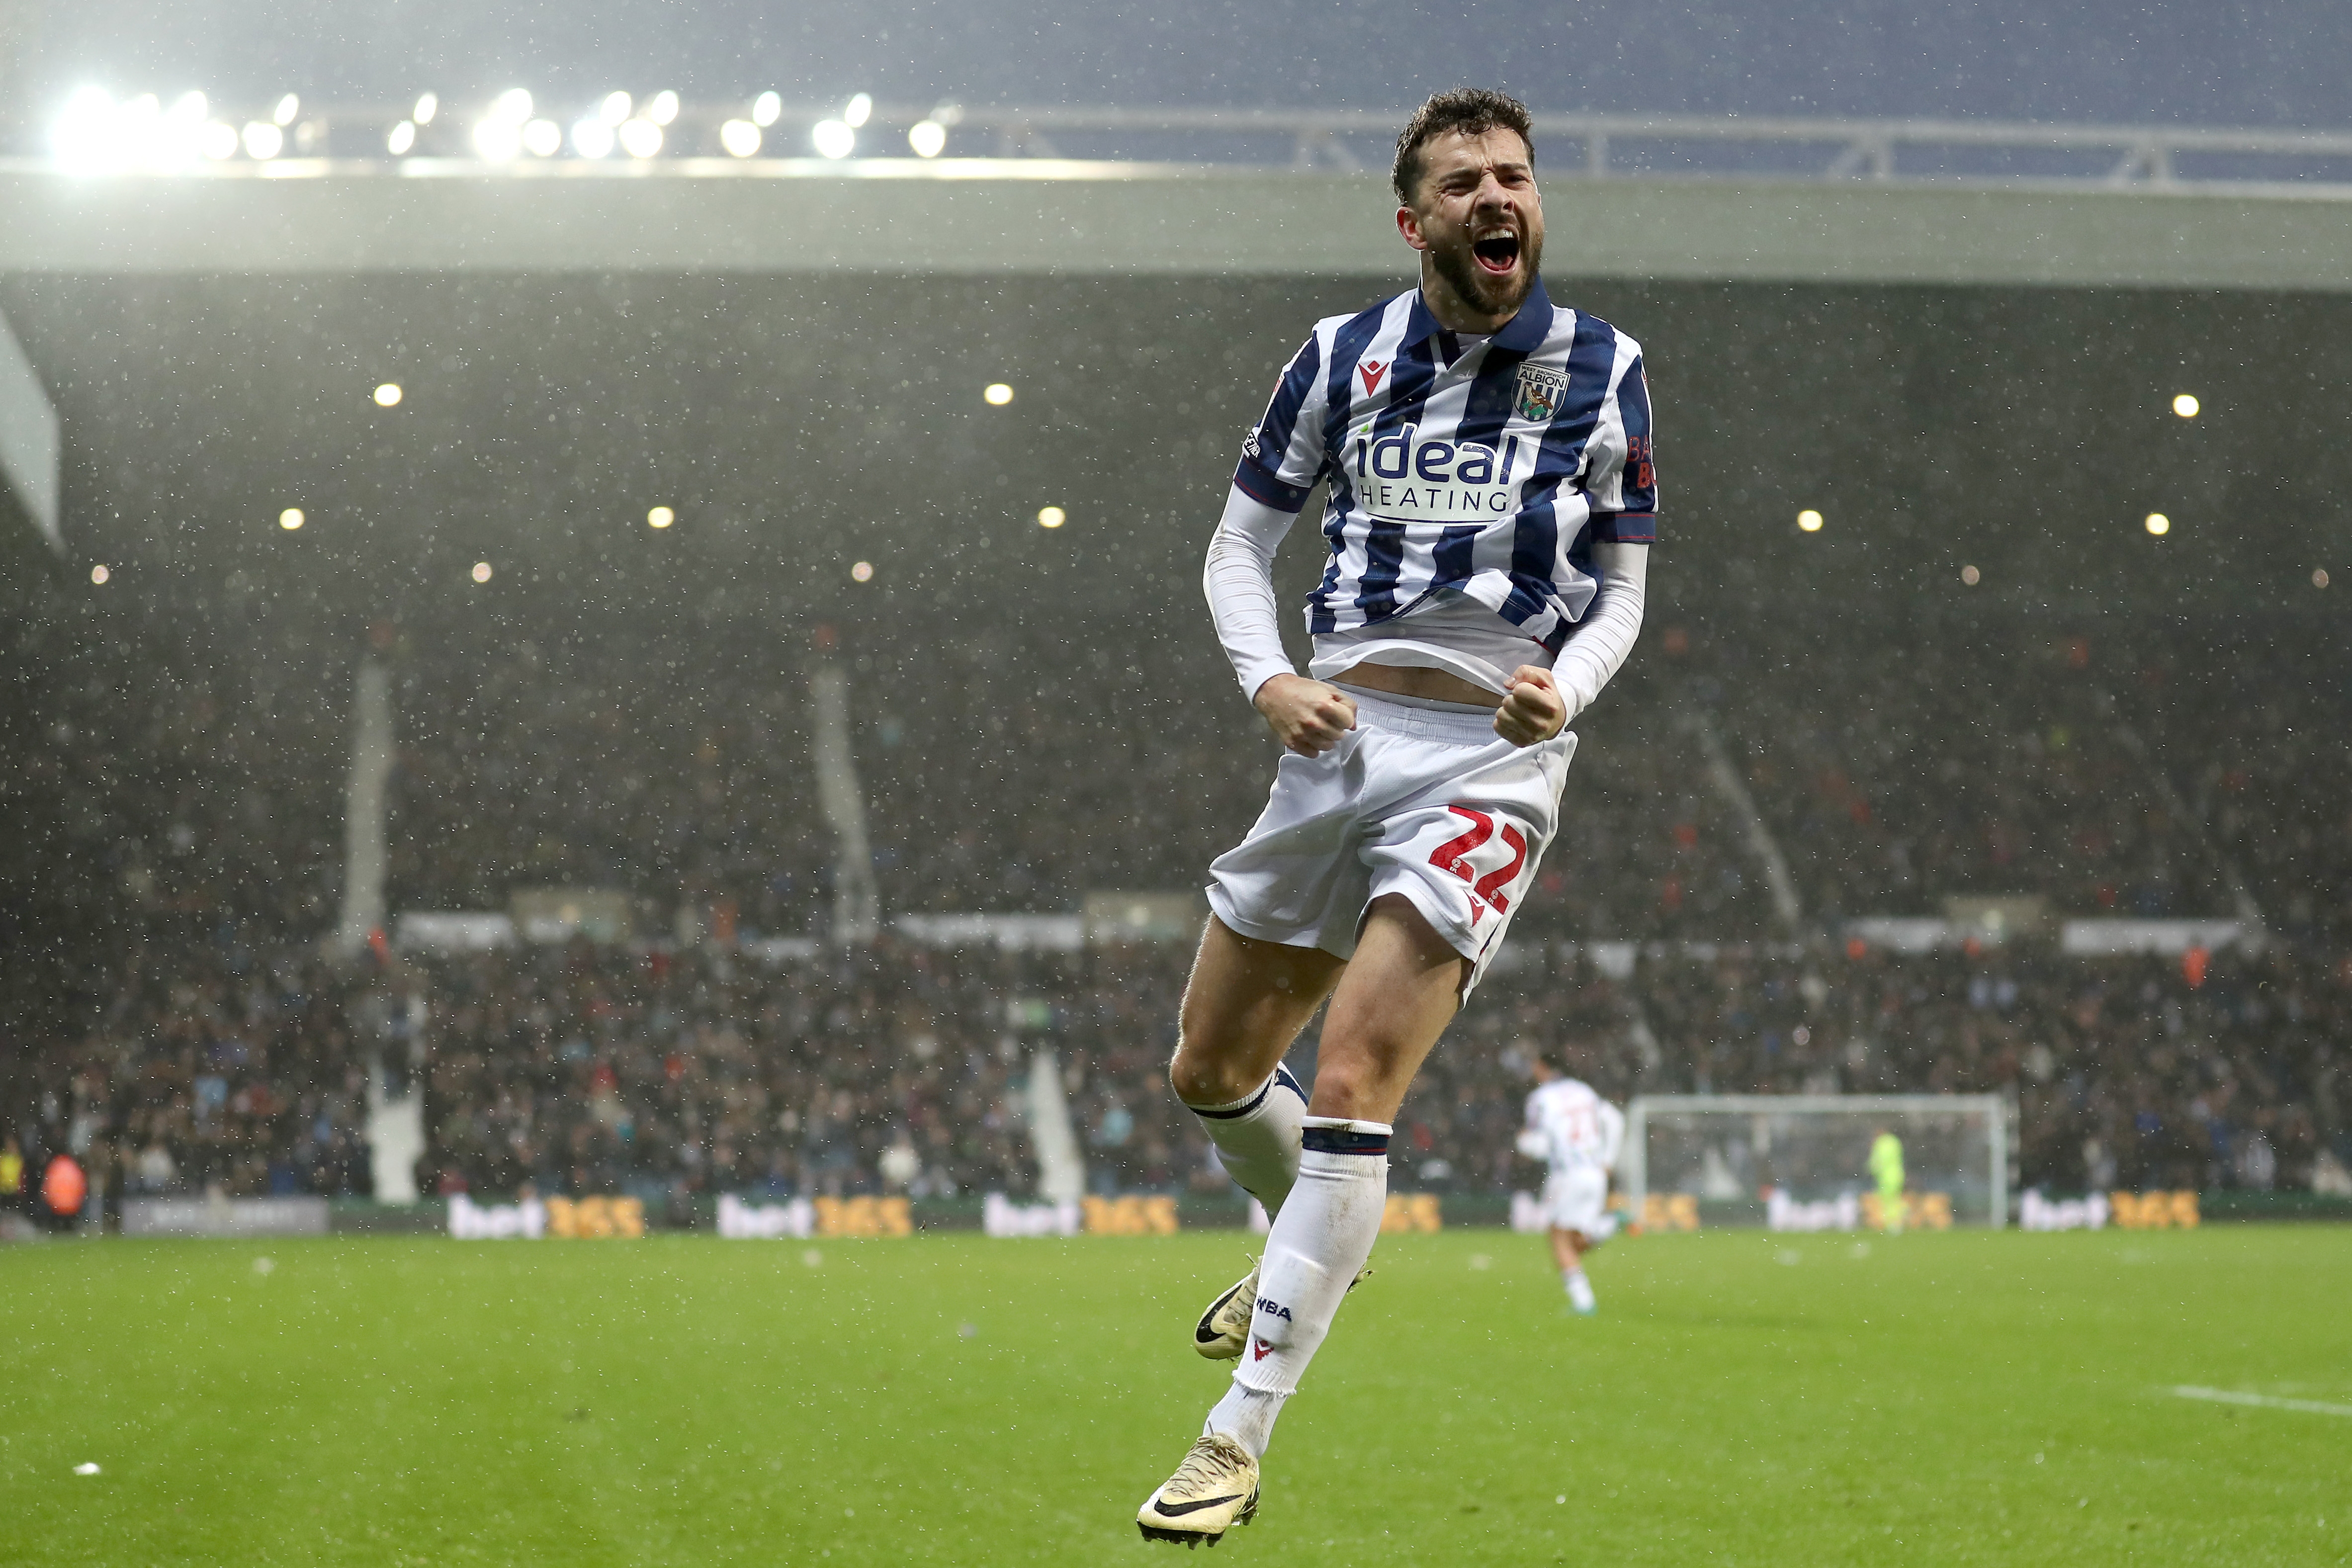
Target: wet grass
x,y
1742,1398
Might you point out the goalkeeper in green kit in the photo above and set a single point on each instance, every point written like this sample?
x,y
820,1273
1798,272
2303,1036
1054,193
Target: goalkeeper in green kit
x,y
1886,1170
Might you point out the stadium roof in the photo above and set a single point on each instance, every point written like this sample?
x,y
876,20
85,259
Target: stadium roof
x,y
1060,217
790,353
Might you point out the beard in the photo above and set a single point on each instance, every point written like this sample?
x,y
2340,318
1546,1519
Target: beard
x,y
1482,289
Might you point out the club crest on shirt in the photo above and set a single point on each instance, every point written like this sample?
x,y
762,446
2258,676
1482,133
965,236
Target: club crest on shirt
x,y
1542,391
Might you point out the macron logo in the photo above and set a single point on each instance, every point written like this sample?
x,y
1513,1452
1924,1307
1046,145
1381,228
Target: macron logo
x,y
1371,370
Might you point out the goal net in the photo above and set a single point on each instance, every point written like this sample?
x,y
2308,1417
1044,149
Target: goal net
x,y
1802,1162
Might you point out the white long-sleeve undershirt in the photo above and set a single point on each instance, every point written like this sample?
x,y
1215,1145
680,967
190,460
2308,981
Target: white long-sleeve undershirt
x,y
1238,579
1597,648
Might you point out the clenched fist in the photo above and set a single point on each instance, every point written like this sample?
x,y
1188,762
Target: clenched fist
x,y
1534,711
1307,716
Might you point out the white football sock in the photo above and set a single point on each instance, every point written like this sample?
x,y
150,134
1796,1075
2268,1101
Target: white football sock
x,y
1257,1137
1246,1416
1319,1244
1580,1290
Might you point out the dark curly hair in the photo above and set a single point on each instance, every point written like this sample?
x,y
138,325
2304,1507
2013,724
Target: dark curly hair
x,y
1473,110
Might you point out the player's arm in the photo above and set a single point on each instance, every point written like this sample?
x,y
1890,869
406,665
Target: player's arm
x,y
1613,1136
1279,463
1623,491
1531,1141
1307,716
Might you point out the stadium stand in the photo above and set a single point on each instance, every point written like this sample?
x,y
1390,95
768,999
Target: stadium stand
x,y
669,1075
215,1049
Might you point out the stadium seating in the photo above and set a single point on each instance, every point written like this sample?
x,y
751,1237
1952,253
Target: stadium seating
x,y
669,1075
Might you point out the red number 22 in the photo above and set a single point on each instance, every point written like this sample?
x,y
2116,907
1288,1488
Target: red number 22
x,y
1454,852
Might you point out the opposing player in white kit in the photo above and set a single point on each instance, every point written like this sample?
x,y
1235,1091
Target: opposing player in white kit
x,y
1485,456
1578,1134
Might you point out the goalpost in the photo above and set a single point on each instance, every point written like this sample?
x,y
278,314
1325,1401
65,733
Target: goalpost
x,y
1800,1162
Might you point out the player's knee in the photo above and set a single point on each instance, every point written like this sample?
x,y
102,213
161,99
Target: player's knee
x,y
1200,1078
1350,1089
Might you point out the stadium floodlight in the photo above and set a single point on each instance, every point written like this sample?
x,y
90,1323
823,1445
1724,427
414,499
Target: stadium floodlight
x,y
929,138
481,572
497,141
997,394
83,135
833,139
2185,406
862,571
740,137
217,140
2319,576
765,109
663,108
2158,524
137,132
640,138
287,108
176,135
1810,521
402,139
263,139
388,395
1052,517
858,110
291,519
542,138
615,108
512,105
1971,577
1800,1162
660,517
427,105
591,139
99,574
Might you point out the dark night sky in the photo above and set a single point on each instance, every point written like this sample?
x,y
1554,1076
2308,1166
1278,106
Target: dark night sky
x,y
2282,63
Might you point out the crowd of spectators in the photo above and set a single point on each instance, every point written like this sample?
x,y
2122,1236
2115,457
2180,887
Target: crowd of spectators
x,y
590,1070
213,1071
197,806
672,1075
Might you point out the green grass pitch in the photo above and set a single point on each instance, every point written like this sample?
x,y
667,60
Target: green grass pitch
x,y
1742,1399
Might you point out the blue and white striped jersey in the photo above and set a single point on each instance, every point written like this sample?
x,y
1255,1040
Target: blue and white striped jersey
x,y
1488,469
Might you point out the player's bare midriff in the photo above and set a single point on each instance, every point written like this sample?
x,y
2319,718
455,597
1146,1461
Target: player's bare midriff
x,y
1411,681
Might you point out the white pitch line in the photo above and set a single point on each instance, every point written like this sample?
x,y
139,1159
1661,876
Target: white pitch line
x,y
2267,1402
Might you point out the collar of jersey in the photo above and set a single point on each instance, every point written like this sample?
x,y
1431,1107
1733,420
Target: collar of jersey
x,y
1522,334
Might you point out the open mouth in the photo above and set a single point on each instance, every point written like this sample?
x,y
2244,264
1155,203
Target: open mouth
x,y
1497,253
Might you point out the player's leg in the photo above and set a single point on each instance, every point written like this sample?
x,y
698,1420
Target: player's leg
x,y
1391,1003
1572,1278
1399,992
1578,1199
1246,1002
1564,1254
1393,1000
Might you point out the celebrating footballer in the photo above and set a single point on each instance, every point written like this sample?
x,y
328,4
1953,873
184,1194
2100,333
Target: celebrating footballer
x,y
1489,507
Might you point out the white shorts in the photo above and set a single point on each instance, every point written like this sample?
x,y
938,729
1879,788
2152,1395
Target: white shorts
x,y
1576,1199
1428,803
